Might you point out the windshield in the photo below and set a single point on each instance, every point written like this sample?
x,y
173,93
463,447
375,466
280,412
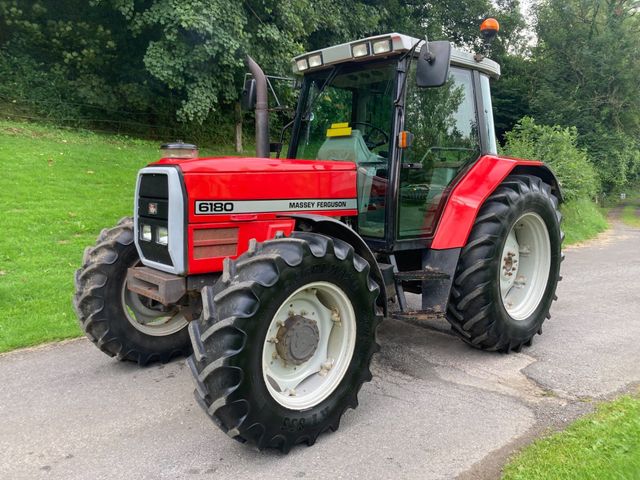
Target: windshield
x,y
361,98
347,117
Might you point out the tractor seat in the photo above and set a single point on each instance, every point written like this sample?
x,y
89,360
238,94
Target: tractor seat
x,y
350,148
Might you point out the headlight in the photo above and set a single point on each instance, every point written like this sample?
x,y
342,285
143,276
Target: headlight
x,y
145,233
360,50
302,64
163,236
381,46
315,60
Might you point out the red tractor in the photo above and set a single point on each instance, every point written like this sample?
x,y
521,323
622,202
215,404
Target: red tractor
x,y
276,273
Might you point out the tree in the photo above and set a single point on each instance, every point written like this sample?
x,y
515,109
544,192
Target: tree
x,y
586,74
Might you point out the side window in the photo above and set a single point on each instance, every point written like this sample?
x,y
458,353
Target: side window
x,y
446,139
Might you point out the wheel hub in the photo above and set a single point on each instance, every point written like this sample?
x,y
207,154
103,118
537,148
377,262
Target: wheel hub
x,y
309,345
298,339
525,264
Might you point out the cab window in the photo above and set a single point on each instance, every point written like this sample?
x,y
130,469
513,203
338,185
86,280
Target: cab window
x,y
446,139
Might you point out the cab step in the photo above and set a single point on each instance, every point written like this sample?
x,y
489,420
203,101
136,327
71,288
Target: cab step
x,y
421,275
419,315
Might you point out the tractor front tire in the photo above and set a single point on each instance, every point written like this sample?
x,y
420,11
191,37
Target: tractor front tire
x,y
117,321
507,274
285,340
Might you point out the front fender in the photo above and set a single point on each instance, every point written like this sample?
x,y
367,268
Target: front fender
x,y
334,228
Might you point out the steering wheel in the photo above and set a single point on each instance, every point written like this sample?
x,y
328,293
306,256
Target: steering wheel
x,y
370,143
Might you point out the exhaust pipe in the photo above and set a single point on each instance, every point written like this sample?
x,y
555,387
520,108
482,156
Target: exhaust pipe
x,y
262,113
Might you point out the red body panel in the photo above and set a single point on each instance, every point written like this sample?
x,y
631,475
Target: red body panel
x,y
268,185
260,230
246,179
242,165
467,197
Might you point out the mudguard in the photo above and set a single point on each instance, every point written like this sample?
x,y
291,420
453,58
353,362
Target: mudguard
x,y
334,228
470,193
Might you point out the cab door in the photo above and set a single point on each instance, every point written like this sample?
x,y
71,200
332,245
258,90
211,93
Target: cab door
x,y
450,127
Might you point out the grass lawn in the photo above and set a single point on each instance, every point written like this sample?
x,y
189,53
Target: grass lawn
x,y
601,446
57,191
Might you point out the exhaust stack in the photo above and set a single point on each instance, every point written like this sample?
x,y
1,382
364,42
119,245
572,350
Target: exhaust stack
x,y
262,113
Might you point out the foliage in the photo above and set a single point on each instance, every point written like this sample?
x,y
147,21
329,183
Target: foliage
x,y
557,147
76,65
582,220
174,68
511,94
600,446
130,65
585,73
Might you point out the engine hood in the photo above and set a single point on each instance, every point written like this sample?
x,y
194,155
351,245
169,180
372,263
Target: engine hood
x,y
216,165
228,189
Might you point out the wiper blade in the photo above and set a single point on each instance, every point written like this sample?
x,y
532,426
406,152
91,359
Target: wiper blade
x,y
328,80
403,87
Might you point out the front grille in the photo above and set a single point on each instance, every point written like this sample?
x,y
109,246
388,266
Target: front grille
x,y
153,212
160,219
215,242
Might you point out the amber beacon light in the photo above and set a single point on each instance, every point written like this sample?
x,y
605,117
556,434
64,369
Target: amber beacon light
x,y
489,29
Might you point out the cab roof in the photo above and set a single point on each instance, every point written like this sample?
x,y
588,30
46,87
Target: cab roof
x,y
382,46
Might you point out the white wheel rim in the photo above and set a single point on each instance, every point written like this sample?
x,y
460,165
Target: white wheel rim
x,y
525,265
299,387
148,320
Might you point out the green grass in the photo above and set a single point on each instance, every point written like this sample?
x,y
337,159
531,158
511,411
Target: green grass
x,y
631,215
601,446
58,189
582,220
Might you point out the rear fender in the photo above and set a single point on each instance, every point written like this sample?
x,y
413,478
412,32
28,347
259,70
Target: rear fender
x,y
336,229
470,193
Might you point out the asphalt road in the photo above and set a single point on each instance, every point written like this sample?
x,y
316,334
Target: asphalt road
x,y
435,408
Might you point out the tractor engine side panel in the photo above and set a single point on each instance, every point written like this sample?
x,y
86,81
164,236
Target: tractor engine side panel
x,y
225,210
470,193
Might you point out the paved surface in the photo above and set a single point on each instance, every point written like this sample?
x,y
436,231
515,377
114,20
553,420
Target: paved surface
x,y
435,409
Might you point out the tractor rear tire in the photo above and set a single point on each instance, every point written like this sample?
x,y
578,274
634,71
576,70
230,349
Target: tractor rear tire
x,y
236,349
107,313
496,303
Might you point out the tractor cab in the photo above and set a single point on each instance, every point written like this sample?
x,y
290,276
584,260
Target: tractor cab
x,y
362,102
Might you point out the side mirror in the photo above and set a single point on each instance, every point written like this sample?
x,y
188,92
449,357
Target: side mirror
x,y
433,64
248,97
